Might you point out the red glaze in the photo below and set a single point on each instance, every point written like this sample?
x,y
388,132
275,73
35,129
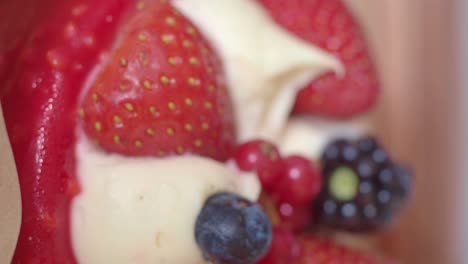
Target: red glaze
x,y
44,60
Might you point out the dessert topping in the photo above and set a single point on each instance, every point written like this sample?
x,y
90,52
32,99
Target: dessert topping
x,y
162,91
261,157
232,229
363,187
331,26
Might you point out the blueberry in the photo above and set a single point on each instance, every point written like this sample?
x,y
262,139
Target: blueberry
x,y
232,229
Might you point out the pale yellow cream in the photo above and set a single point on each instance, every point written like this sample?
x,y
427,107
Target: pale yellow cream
x,y
265,65
143,210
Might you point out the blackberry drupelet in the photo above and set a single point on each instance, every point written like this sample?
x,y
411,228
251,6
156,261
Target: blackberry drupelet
x,y
363,187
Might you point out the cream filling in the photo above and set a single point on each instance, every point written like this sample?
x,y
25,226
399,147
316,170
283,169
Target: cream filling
x,y
265,65
143,210
308,137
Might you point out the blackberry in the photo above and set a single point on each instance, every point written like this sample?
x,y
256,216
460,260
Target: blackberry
x,y
363,187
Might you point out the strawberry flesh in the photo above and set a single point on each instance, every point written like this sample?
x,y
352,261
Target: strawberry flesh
x,y
161,92
329,25
48,61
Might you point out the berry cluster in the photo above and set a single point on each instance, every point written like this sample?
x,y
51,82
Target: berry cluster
x,y
363,187
290,184
232,229
358,189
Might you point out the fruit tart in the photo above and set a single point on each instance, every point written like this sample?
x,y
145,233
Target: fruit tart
x,y
188,131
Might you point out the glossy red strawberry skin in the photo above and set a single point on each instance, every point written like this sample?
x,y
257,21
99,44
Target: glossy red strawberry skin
x,y
322,251
287,247
46,66
162,92
329,25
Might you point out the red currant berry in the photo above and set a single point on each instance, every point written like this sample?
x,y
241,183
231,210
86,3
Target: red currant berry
x,y
262,157
294,217
285,248
299,182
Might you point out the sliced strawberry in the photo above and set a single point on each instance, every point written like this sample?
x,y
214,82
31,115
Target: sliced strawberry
x,y
321,251
46,59
330,25
286,247
161,92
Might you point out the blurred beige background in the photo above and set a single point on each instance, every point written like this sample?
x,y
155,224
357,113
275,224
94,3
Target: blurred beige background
x,y
417,119
10,200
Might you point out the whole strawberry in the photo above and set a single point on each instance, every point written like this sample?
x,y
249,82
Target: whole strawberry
x,y
161,92
330,25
